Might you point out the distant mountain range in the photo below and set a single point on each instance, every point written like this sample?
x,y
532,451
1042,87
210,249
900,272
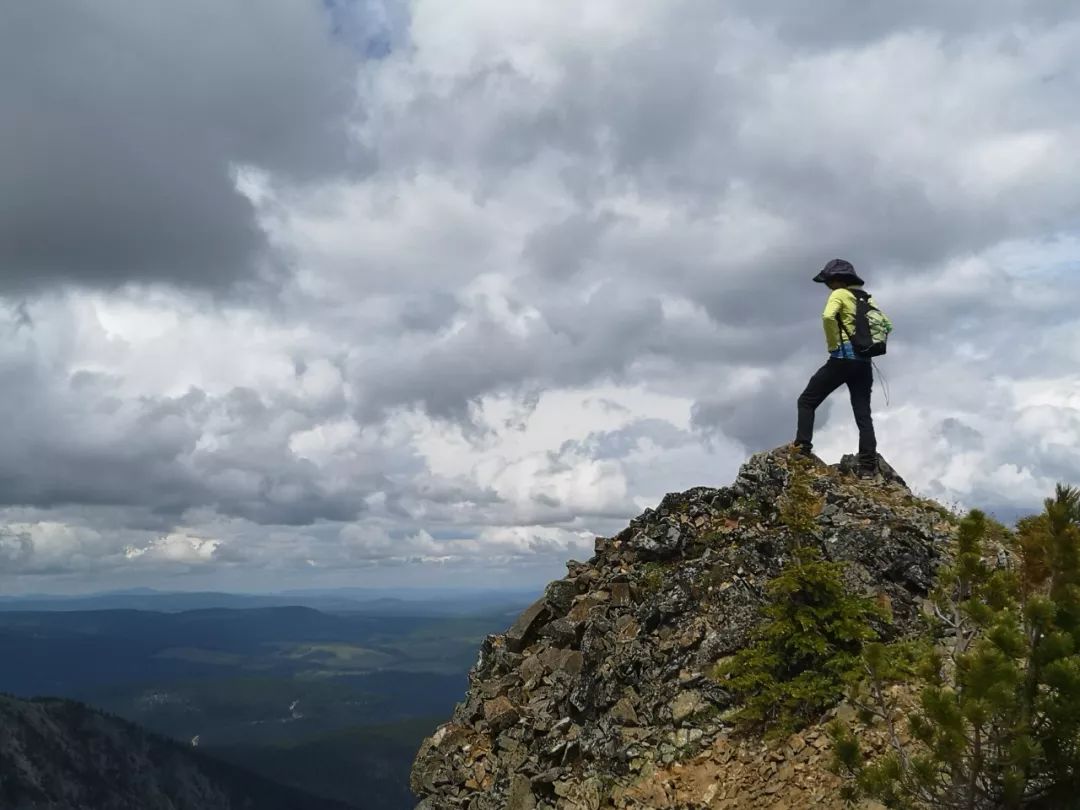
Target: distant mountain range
x,y
427,603
62,755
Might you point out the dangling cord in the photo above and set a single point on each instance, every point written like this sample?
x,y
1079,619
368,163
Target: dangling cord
x,y
884,382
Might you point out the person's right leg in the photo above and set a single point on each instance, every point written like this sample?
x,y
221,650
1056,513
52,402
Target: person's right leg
x,y
826,380
860,385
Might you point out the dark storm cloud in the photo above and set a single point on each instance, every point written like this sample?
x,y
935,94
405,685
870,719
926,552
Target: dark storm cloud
x,y
428,311
77,442
124,122
959,435
761,422
486,354
617,444
559,249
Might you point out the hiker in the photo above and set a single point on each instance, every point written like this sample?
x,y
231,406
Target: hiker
x,y
855,332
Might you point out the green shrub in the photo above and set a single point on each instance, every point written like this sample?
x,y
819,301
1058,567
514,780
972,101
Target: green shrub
x,y
807,650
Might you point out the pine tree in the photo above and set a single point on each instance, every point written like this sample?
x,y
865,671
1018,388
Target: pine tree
x,y
807,650
998,722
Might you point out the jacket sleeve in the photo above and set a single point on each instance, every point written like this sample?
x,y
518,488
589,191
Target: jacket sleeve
x,y
828,319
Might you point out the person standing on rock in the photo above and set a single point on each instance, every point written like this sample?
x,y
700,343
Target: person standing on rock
x,y
851,346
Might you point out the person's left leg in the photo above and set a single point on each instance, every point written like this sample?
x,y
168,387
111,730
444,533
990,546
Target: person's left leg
x,y
860,385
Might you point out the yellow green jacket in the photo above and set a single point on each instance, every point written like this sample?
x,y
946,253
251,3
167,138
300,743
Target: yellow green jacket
x,y
841,302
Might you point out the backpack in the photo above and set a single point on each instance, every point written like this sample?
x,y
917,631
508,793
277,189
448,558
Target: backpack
x,y
871,326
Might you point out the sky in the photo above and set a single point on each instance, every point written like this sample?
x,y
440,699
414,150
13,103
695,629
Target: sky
x,y
365,292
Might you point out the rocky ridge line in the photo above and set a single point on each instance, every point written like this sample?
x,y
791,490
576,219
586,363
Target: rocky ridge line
x,y
601,695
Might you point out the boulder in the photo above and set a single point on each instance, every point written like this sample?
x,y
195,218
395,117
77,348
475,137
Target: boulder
x,y
524,630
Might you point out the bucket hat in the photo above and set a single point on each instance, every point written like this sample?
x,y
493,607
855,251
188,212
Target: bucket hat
x,y
838,270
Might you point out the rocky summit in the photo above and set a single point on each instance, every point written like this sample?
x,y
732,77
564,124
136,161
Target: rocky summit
x,y
604,693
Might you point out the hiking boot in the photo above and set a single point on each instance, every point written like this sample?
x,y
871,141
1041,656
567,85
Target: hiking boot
x,y
867,473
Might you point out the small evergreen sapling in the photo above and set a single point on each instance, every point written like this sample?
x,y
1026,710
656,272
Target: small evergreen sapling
x,y
806,652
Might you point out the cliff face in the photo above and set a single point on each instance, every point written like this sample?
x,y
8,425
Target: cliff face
x,y
62,755
602,693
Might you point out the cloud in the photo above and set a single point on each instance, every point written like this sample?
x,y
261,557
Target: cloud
x,y
175,548
132,121
496,544
86,437
531,270
566,248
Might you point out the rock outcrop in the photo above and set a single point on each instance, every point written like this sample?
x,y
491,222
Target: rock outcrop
x,y
602,694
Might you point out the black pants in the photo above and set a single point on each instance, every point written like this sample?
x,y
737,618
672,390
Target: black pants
x,y
858,376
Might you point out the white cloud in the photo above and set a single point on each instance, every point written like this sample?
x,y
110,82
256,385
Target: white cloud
x,y
175,548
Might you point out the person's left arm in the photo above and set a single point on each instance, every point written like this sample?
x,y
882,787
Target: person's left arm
x,y
829,317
